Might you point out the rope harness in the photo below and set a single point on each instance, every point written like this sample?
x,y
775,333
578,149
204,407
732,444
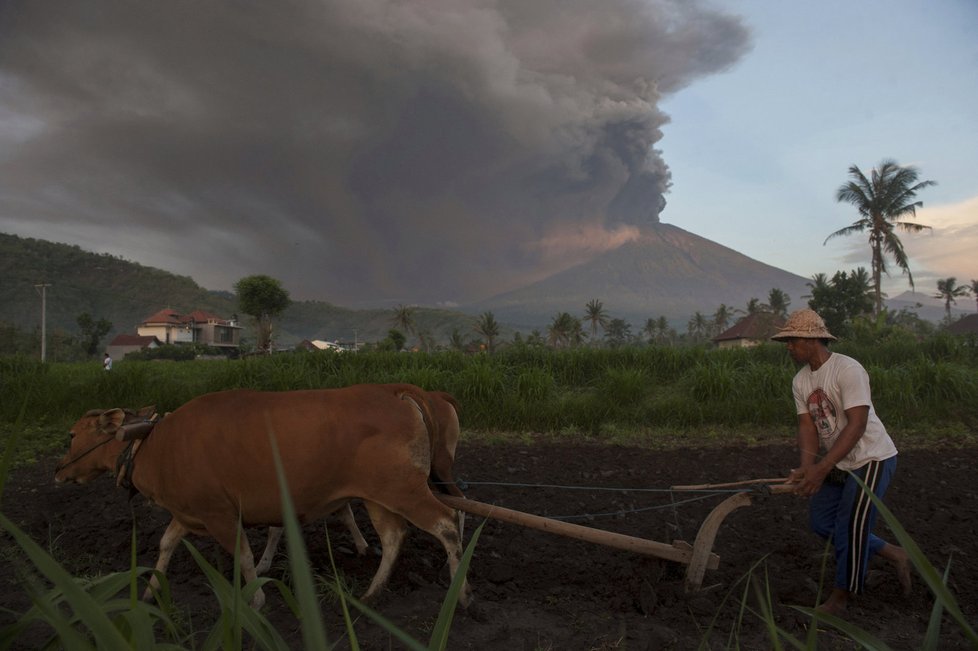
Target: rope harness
x,y
62,466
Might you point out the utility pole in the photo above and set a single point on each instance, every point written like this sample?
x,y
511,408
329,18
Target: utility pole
x,y
44,339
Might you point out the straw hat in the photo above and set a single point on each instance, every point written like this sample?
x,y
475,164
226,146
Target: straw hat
x,y
805,324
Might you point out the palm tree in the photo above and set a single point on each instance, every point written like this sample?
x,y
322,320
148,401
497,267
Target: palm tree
x,y
455,341
948,289
778,302
754,306
820,283
403,318
721,318
595,313
488,328
882,200
564,331
974,290
697,325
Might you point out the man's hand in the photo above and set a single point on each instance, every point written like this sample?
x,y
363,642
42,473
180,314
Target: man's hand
x,y
808,479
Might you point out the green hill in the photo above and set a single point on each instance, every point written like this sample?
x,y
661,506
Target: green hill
x,y
126,292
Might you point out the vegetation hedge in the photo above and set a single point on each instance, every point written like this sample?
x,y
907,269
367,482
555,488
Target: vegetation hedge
x,y
916,385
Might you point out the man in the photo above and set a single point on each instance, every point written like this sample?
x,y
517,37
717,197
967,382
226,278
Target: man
x,y
107,362
835,414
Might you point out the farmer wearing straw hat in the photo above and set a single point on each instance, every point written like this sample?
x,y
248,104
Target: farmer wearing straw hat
x,y
836,418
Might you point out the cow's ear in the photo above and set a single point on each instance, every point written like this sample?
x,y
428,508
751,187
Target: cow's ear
x,y
110,420
146,412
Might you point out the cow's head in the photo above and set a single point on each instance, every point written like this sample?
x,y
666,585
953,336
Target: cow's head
x,y
87,458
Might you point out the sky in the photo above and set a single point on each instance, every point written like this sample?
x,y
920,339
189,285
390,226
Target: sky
x,y
437,152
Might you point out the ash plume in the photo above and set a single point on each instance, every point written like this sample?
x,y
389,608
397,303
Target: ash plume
x,y
358,150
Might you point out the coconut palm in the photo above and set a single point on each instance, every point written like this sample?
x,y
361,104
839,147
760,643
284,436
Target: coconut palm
x,y
403,318
778,302
948,289
974,290
488,329
721,318
820,283
564,331
594,313
697,326
882,200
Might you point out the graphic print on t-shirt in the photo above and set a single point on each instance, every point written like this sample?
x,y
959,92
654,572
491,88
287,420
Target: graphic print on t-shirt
x,y
823,412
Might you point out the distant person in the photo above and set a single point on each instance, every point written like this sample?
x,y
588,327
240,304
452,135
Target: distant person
x,y
107,362
836,418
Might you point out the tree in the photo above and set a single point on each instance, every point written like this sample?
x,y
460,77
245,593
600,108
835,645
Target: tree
x,y
594,313
698,326
455,341
488,329
565,331
396,339
882,200
403,318
618,333
92,332
263,298
974,290
778,302
948,289
842,299
754,306
721,318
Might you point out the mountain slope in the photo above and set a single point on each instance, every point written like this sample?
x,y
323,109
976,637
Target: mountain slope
x,y
667,272
126,292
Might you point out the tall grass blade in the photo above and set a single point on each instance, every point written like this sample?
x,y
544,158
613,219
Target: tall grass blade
x,y
933,637
313,631
227,631
853,632
84,606
351,634
924,567
767,612
439,635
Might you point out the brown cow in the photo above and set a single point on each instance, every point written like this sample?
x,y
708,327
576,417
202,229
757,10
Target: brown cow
x,y
210,464
444,441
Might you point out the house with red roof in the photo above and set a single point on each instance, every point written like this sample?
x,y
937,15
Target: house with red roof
x,y
197,327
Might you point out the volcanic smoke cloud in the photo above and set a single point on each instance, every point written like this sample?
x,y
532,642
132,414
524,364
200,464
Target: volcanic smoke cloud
x,y
359,150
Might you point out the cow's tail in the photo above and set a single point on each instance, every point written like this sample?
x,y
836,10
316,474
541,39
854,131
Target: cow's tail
x,y
440,475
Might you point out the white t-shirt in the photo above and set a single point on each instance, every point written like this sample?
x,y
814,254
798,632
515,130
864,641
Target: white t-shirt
x,y
840,383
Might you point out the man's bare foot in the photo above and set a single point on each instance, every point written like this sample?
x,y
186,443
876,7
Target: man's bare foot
x,y
901,562
836,604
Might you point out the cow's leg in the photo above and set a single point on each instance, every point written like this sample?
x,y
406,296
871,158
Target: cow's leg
x,y
345,514
346,517
226,535
174,533
391,528
428,514
274,535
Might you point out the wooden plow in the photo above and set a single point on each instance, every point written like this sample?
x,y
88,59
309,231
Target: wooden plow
x,y
698,557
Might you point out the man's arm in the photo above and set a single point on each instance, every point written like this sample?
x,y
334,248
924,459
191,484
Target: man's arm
x,y
812,472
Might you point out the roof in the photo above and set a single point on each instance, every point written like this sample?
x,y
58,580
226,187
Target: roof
x,y
172,317
759,325
964,325
134,340
163,316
